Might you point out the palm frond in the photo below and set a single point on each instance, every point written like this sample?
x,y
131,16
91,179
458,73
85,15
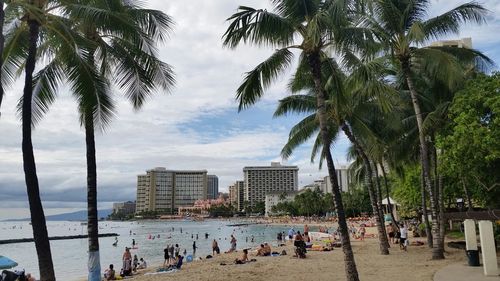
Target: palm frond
x,y
296,104
450,22
257,80
258,27
300,134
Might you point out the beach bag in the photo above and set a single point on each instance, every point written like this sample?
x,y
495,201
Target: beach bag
x,y
12,276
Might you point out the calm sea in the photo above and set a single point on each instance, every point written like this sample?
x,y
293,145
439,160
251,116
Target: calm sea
x,y
70,256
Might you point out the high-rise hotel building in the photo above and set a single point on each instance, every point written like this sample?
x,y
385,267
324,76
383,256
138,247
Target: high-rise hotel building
x,y
165,190
213,187
260,180
237,194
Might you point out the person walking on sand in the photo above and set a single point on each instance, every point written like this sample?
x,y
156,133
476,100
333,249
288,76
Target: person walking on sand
x,y
233,244
390,232
403,237
291,232
166,256
362,231
215,247
177,250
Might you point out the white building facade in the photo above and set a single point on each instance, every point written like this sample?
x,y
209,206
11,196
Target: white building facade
x,y
261,180
276,197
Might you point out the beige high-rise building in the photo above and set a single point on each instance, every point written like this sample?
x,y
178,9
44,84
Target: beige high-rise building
x,y
165,190
260,180
233,195
236,194
460,43
343,179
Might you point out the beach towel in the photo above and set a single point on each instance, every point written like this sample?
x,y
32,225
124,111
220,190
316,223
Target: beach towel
x,y
162,272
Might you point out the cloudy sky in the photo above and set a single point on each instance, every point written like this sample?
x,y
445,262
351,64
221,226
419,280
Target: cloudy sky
x,y
197,126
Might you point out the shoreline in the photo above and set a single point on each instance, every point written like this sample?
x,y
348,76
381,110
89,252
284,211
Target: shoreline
x,y
323,265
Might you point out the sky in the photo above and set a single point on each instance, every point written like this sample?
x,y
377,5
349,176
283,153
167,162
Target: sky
x,y
195,126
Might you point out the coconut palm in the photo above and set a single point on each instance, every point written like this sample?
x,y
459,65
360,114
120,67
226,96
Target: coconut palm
x,y
2,42
27,22
120,47
315,23
402,27
349,109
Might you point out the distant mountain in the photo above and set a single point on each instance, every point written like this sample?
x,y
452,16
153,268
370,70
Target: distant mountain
x,y
73,216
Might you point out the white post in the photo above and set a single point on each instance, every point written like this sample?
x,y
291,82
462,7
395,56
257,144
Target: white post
x,y
488,250
470,234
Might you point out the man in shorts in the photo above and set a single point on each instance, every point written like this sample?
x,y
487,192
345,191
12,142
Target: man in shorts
x,y
403,237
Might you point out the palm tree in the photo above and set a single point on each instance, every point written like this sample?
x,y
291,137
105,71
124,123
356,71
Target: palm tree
x,y
27,21
120,41
401,27
2,42
316,23
349,109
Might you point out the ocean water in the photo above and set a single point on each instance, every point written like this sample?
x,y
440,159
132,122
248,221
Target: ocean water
x,y
70,256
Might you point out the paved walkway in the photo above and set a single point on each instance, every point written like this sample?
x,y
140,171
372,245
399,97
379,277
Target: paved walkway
x,y
463,272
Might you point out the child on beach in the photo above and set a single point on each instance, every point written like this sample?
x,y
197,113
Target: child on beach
x,y
109,274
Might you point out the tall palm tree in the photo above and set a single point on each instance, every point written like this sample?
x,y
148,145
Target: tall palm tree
x,y
402,27
28,21
2,42
316,23
349,108
120,43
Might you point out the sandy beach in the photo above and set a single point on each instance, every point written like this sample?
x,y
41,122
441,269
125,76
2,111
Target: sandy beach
x,y
414,265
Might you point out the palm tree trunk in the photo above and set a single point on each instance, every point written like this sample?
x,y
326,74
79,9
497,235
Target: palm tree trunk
x,y
382,237
379,203
442,224
389,204
350,264
438,185
94,265
2,42
424,152
428,231
38,223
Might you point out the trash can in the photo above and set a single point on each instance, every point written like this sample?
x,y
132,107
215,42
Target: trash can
x,y
472,257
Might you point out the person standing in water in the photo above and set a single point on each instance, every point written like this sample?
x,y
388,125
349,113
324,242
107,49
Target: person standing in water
x,y
133,243
194,248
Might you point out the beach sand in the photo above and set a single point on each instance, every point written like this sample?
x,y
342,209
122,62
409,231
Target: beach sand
x,y
414,265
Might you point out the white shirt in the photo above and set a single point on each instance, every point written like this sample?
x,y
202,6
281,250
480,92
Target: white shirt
x,y
404,232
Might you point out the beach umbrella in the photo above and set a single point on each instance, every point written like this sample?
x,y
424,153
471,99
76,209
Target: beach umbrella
x,y
6,263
